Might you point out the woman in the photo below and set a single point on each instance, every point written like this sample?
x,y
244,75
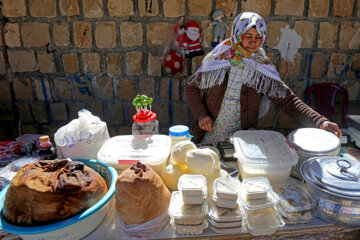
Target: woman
x,y
238,82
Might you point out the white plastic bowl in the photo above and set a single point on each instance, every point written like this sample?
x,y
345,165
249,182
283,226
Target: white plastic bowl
x,y
75,227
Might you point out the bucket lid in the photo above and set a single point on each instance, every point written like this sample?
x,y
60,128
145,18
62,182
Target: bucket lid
x,y
178,130
333,174
143,116
314,140
264,147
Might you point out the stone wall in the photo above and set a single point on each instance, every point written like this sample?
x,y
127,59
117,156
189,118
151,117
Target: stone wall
x,y
59,56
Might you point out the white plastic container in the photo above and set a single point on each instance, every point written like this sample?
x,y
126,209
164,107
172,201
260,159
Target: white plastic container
x,y
192,185
226,215
123,151
264,153
227,188
179,133
189,229
224,203
256,188
186,214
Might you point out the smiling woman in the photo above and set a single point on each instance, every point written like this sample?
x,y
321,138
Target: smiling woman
x,y
239,82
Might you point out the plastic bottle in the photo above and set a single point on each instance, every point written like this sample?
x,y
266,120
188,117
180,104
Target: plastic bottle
x,y
179,133
46,150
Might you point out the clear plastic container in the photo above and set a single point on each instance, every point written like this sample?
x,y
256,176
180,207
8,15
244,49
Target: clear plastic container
x,y
186,214
264,153
179,133
123,151
192,185
229,230
145,123
227,188
226,215
254,204
295,217
293,198
224,203
267,226
189,229
256,188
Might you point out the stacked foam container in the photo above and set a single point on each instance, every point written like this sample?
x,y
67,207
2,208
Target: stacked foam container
x,y
262,216
295,203
188,207
225,215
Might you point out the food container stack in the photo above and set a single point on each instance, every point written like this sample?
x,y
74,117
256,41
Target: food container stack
x,y
226,212
188,207
295,203
262,216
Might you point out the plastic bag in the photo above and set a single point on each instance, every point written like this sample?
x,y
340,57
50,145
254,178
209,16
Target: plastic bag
x,y
82,137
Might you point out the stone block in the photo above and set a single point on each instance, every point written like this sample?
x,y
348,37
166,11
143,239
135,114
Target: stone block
x,y
125,130
157,32
82,34
83,86
147,87
39,112
5,92
284,7
174,8
63,89
6,112
131,34
105,88
196,63
154,65
358,9
42,89
207,34
2,63
13,8
134,64
162,113
262,7
290,69
113,131
93,8
96,108
318,8
35,34
274,33
337,65
24,112
165,89
115,113
70,63
12,35
30,128
105,34
74,109
327,35
200,7
58,112
354,68
2,40
91,63
148,8
126,89
343,8
229,7
317,65
42,8
23,89
349,35
69,7
22,60
61,33
353,88
181,114
120,8
306,30
113,64
46,62
299,88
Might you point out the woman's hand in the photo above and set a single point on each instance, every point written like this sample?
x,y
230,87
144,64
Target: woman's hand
x,y
331,127
205,123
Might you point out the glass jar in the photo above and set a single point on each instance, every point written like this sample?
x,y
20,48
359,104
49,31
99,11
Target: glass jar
x,y
145,123
179,133
46,151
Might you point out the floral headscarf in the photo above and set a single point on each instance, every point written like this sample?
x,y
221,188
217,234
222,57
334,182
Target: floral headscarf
x,y
259,72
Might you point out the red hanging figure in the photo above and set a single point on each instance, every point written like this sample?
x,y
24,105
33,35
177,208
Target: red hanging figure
x,y
192,39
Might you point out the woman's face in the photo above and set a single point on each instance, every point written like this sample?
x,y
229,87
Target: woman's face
x,y
251,40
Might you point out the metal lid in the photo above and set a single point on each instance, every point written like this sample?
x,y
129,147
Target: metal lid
x,y
333,174
314,140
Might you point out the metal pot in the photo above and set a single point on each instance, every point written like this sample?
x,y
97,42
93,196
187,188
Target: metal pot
x,y
335,185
